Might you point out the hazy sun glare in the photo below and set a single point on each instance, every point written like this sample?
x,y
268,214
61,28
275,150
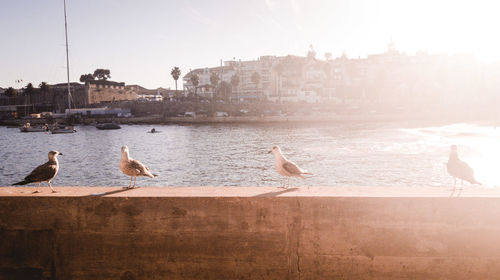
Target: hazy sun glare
x,y
434,26
477,145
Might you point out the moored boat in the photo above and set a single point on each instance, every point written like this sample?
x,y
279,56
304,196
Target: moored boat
x,y
108,126
61,130
28,128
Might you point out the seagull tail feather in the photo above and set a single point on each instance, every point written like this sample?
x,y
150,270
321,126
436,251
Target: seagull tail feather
x,y
24,182
307,173
149,174
474,181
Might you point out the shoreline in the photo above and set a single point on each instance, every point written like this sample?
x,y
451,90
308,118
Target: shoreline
x,y
366,118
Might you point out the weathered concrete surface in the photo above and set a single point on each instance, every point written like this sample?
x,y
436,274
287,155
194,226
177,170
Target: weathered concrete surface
x,y
249,233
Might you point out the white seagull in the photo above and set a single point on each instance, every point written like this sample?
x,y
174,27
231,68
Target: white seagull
x,y
43,173
459,169
286,168
132,167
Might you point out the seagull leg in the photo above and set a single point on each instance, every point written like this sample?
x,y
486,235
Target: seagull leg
x,y
282,182
37,191
130,185
135,178
48,183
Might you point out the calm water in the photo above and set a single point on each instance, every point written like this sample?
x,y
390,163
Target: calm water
x,y
389,154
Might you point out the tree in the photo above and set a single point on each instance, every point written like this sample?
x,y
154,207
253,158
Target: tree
x,y
195,81
85,78
10,92
176,73
235,81
256,79
102,74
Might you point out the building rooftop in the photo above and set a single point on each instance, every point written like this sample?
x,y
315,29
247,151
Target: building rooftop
x,y
106,82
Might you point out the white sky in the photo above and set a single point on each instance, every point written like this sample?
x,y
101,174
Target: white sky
x,y
140,41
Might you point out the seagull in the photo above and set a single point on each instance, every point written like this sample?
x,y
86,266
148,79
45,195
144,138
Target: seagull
x,y
133,167
43,173
286,168
459,169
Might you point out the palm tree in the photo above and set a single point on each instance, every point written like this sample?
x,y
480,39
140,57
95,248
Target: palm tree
x,y
279,70
225,91
256,79
235,81
176,73
214,81
28,90
195,81
44,89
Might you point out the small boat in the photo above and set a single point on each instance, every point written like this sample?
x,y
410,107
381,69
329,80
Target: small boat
x,y
61,130
28,128
154,131
108,126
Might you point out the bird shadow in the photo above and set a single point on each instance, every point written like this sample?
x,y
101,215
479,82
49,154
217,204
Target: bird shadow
x,y
109,193
276,193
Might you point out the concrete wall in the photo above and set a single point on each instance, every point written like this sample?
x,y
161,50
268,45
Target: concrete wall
x,y
262,236
101,93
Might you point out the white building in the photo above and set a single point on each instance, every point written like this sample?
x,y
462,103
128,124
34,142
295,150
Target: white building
x,y
204,87
285,78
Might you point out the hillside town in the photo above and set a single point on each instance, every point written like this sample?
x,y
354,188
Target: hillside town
x,y
390,83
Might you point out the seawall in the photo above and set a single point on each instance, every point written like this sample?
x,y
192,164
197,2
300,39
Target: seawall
x,y
249,233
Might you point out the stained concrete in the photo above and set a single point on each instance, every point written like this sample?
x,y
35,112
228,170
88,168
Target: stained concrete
x,y
249,233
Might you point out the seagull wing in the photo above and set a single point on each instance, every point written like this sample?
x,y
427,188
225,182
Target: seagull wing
x,y
142,170
292,168
42,173
466,172
136,165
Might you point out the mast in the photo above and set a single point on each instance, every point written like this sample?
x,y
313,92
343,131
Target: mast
x,y
67,55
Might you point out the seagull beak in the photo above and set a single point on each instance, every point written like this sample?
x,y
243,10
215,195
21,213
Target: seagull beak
x,y
270,151
60,154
